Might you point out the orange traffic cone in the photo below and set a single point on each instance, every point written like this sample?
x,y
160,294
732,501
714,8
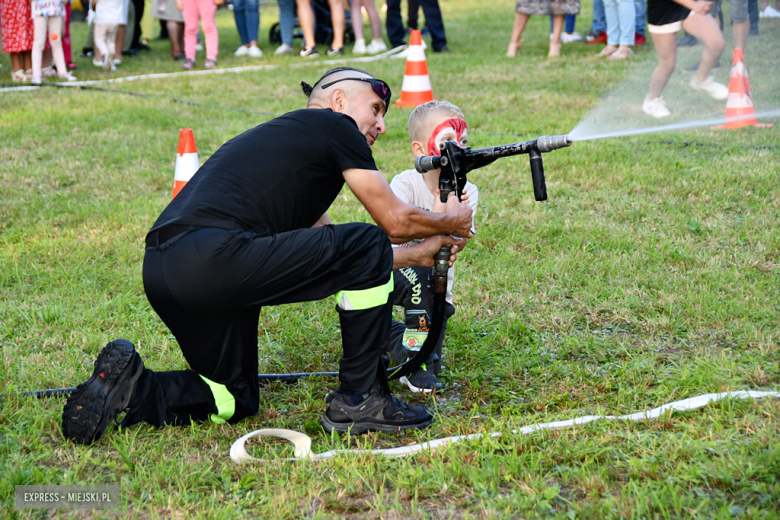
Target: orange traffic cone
x,y
416,89
739,104
186,160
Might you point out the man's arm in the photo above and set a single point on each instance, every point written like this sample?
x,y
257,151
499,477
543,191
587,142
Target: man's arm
x,y
400,220
422,254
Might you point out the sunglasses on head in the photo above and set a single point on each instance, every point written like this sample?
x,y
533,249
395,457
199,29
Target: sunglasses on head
x,y
380,88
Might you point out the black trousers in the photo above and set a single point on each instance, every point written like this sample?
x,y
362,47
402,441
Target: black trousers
x,y
395,24
413,290
139,12
208,286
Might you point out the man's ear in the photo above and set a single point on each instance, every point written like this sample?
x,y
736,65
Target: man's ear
x,y
419,149
338,100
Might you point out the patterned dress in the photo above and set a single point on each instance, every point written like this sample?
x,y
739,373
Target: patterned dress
x,y
17,26
545,7
47,8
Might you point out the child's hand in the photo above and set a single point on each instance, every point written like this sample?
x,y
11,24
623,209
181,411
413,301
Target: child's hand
x,y
219,2
464,197
438,205
180,5
702,8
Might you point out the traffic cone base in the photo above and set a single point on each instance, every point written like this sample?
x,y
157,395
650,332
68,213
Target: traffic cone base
x,y
740,111
187,162
416,88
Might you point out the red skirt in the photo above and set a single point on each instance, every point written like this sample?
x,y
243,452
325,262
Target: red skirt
x,y
17,26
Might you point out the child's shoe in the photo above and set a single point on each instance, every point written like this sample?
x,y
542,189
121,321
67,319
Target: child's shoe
x,y
716,90
655,107
254,52
211,62
376,46
359,47
307,52
283,49
19,76
335,52
188,64
36,80
67,77
422,380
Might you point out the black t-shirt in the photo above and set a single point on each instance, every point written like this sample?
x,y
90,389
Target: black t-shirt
x,y
662,12
279,176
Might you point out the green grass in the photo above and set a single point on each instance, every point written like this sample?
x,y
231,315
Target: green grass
x,y
652,274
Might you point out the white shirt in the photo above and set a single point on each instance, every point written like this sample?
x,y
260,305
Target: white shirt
x,y
110,12
409,186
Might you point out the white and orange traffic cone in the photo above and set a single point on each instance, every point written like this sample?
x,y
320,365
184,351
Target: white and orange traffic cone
x,y
739,105
187,162
416,89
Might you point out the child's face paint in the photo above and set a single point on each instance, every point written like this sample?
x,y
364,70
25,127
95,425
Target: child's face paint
x,y
450,130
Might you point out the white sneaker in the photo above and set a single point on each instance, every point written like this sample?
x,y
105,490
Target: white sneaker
x,y
97,63
568,38
716,90
376,46
283,49
655,107
254,52
769,12
359,47
241,51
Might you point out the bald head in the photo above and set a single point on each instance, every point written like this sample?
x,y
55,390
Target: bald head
x,y
322,97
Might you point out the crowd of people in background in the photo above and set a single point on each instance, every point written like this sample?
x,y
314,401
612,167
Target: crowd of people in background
x,y
37,32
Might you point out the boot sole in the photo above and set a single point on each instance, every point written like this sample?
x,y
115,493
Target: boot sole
x,y
99,399
359,427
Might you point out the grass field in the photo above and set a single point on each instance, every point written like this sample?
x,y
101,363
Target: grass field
x,y
652,274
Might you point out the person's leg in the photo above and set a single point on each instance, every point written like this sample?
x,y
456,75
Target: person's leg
x,y
252,9
101,35
627,21
571,20
306,19
55,37
375,20
338,20
66,44
287,20
239,13
521,20
110,37
138,8
190,14
127,38
599,24
666,48
207,10
176,36
357,21
39,40
555,42
613,26
413,14
394,24
753,15
741,23
640,7
17,62
121,31
705,28
433,20
89,41
147,23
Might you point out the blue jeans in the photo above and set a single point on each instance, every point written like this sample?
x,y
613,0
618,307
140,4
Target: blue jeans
x,y
247,13
641,15
287,20
395,25
599,24
621,21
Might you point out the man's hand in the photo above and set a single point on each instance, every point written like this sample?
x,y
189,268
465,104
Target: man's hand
x,y
462,216
422,254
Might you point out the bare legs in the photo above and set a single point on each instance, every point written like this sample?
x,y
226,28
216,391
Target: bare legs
x,y
706,29
521,20
741,32
306,19
176,35
666,47
373,18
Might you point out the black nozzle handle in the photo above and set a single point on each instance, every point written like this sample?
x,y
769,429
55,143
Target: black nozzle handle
x,y
426,164
537,175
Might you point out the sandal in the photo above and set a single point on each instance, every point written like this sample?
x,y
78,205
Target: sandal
x,y
623,52
513,49
606,51
555,50
19,76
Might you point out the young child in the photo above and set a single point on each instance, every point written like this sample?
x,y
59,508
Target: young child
x,y
429,124
108,16
48,14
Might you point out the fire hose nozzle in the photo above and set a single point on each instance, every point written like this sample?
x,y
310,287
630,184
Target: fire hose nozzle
x,y
548,143
426,164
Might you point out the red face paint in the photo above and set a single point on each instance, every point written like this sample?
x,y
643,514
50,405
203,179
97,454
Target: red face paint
x,y
458,125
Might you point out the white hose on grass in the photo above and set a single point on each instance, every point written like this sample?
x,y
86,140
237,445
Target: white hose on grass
x,y
302,442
